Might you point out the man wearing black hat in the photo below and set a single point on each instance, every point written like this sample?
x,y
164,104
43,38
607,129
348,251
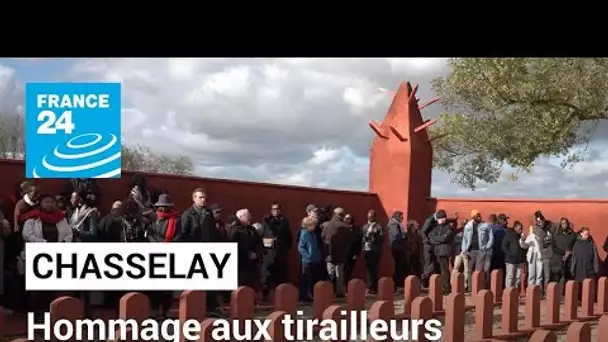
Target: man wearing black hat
x,y
220,226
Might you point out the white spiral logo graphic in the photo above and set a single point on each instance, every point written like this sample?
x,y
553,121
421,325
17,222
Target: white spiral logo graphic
x,y
70,144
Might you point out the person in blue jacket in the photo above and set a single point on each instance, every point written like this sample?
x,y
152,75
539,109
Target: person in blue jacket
x,y
477,244
310,257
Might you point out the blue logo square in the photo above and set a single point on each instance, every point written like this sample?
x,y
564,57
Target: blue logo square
x,y
72,130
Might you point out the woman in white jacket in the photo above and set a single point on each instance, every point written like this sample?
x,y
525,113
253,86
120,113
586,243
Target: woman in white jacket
x,y
47,224
533,257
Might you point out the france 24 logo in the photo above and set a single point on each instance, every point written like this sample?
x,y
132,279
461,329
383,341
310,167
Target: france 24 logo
x,y
72,130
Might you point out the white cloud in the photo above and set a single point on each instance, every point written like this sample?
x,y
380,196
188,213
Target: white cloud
x,y
292,121
323,156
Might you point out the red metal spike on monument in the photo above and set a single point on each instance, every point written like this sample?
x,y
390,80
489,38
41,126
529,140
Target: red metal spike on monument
x,y
398,134
425,125
378,129
421,107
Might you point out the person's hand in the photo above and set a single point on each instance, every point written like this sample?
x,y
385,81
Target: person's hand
x,y
253,256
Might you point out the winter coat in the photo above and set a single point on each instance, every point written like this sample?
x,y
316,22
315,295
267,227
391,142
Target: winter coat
x,y
514,253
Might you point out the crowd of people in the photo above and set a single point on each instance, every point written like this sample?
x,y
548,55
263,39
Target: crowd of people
x,y
329,242
549,251
143,216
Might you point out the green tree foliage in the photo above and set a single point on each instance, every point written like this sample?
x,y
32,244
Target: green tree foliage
x,y
510,111
134,158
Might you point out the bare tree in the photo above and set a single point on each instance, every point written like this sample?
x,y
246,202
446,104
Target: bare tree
x,y
136,158
142,159
12,133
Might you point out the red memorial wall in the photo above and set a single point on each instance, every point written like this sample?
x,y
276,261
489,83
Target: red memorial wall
x,y
399,179
231,195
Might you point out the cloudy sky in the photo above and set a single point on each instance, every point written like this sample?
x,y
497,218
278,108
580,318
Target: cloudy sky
x,y
290,121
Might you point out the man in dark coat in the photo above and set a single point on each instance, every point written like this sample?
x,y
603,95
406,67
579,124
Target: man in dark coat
x,y
123,224
498,225
428,253
249,248
514,255
336,236
354,248
222,228
441,237
585,260
413,249
198,225
110,226
396,240
370,240
278,241
563,242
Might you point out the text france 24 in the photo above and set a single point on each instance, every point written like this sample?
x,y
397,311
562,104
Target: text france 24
x,y
72,130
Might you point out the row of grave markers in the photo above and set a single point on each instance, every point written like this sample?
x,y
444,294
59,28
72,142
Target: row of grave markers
x,y
593,307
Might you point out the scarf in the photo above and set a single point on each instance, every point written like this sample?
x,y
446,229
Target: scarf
x,y
46,217
80,215
171,224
